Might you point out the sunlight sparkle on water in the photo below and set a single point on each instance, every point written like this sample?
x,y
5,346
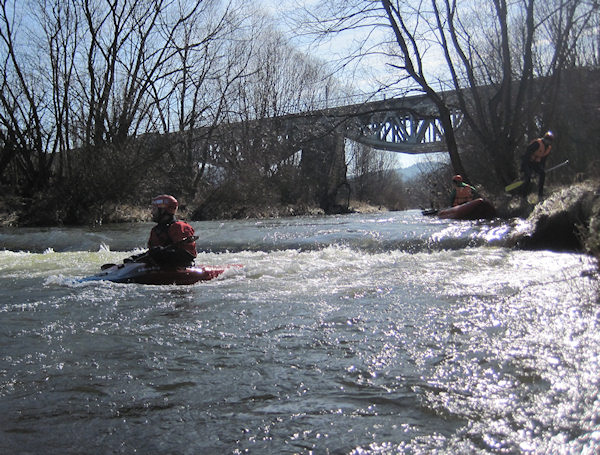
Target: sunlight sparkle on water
x,y
426,338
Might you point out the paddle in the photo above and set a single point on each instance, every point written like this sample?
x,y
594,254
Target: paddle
x,y
429,212
140,257
518,183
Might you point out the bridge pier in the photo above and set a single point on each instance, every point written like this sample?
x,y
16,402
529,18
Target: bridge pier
x,y
323,170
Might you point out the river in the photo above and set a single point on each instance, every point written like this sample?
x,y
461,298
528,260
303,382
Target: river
x,y
356,334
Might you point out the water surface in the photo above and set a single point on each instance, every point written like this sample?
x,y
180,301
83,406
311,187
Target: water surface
x,y
358,334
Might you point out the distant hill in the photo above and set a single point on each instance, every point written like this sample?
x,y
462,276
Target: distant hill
x,y
409,173
412,172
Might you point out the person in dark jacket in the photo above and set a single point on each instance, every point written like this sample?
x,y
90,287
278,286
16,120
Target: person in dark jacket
x,y
462,192
534,160
171,243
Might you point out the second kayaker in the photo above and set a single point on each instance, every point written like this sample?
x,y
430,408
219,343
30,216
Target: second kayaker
x,y
462,192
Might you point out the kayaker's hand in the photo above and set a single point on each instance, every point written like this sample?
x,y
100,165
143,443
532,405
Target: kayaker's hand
x,y
133,258
155,251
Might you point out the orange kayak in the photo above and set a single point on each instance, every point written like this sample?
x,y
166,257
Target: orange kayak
x,y
473,210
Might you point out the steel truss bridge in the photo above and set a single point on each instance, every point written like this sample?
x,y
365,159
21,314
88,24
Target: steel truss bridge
x,y
403,125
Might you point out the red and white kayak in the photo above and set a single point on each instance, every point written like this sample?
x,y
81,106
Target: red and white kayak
x,y
141,273
473,210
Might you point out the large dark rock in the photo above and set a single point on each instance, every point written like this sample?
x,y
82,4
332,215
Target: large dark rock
x,y
567,221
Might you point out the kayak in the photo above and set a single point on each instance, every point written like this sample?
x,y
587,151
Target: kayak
x,y
142,273
473,210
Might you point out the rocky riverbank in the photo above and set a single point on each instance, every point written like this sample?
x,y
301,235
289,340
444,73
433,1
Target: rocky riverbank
x,y
568,220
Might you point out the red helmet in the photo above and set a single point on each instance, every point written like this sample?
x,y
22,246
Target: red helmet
x,y
457,178
165,202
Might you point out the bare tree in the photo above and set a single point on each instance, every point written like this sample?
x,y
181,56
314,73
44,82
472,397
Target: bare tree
x,y
256,150
22,108
373,177
129,50
507,80
502,60
209,58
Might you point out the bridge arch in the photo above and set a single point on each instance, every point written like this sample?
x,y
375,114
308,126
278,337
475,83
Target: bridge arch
x,y
402,131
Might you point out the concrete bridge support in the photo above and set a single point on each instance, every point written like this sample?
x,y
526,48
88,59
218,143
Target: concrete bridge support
x,y
323,170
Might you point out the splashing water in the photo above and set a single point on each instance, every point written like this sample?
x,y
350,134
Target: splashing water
x,y
361,334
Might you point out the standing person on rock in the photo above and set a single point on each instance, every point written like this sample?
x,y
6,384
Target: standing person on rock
x,y
534,160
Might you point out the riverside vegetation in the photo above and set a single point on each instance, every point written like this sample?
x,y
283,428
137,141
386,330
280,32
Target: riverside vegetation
x,y
567,220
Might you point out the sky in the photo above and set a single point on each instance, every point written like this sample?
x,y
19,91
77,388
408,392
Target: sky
x,y
366,77
332,50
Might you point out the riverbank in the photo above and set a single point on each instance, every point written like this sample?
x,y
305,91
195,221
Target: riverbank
x,y
567,220
23,212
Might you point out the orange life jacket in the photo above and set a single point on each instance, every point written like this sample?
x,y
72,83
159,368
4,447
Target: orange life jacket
x,y
463,194
175,233
542,151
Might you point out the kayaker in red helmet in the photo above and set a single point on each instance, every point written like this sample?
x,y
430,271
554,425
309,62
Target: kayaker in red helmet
x,y
171,243
462,192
